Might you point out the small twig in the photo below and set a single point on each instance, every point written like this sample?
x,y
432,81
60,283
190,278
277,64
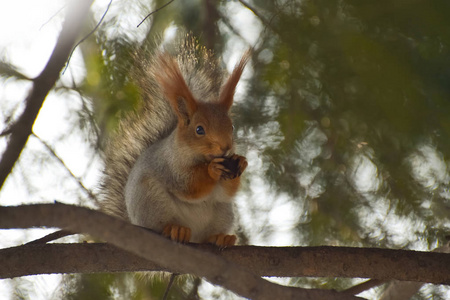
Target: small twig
x,y
6,131
256,13
91,118
11,71
363,286
169,285
50,149
155,11
54,15
89,113
51,237
86,36
227,23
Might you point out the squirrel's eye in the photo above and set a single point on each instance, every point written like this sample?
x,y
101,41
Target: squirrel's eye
x,y
200,130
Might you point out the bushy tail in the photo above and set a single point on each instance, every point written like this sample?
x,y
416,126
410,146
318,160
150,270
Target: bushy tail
x,y
153,118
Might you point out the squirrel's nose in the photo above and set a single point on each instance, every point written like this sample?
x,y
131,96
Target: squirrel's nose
x,y
226,149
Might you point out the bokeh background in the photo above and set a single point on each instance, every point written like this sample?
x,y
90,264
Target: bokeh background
x,y
343,114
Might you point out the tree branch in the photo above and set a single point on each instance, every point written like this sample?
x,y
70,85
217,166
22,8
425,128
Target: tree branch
x,y
153,247
263,261
21,130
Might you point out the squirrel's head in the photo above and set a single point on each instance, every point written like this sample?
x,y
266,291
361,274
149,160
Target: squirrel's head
x,y
203,126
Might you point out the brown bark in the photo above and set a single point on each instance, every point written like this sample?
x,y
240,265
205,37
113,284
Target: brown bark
x,y
382,264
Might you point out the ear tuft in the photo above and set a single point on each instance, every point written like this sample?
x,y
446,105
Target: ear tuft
x,y
175,88
228,89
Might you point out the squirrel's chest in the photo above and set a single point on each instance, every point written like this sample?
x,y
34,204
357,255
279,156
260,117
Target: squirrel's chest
x,y
204,217
195,215
198,217
205,222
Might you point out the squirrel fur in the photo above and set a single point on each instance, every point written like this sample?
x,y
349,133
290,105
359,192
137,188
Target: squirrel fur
x,y
167,167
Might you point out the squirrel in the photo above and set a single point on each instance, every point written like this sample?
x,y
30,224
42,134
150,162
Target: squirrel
x,y
171,166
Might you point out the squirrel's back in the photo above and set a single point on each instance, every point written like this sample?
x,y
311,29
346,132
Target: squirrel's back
x,y
153,119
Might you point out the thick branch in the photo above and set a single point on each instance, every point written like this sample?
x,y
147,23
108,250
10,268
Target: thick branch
x,y
322,261
42,84
153,247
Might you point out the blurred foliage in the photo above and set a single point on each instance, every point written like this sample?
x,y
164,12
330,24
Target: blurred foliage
x,y
363,81
90,287
355,96
125,286
107,81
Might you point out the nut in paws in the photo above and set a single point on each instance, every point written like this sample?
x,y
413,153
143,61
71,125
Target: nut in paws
x,y
234,166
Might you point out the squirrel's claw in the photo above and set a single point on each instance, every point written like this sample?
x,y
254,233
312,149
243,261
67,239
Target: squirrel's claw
x,y
177,233
222,240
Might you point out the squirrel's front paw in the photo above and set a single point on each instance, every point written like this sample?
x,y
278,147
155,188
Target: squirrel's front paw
x,y
222,240
177,233
216,169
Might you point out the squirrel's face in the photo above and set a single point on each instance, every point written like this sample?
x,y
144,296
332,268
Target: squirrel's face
x,y
208,131
205,127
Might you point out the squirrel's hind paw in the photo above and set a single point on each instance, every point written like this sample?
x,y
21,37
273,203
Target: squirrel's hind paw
x,y
222,240
177,233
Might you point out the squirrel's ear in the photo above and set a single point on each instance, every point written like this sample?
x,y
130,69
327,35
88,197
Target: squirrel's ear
x,y
175,88
228,89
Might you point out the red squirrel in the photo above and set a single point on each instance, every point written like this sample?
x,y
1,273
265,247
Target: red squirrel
x,y
171,165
